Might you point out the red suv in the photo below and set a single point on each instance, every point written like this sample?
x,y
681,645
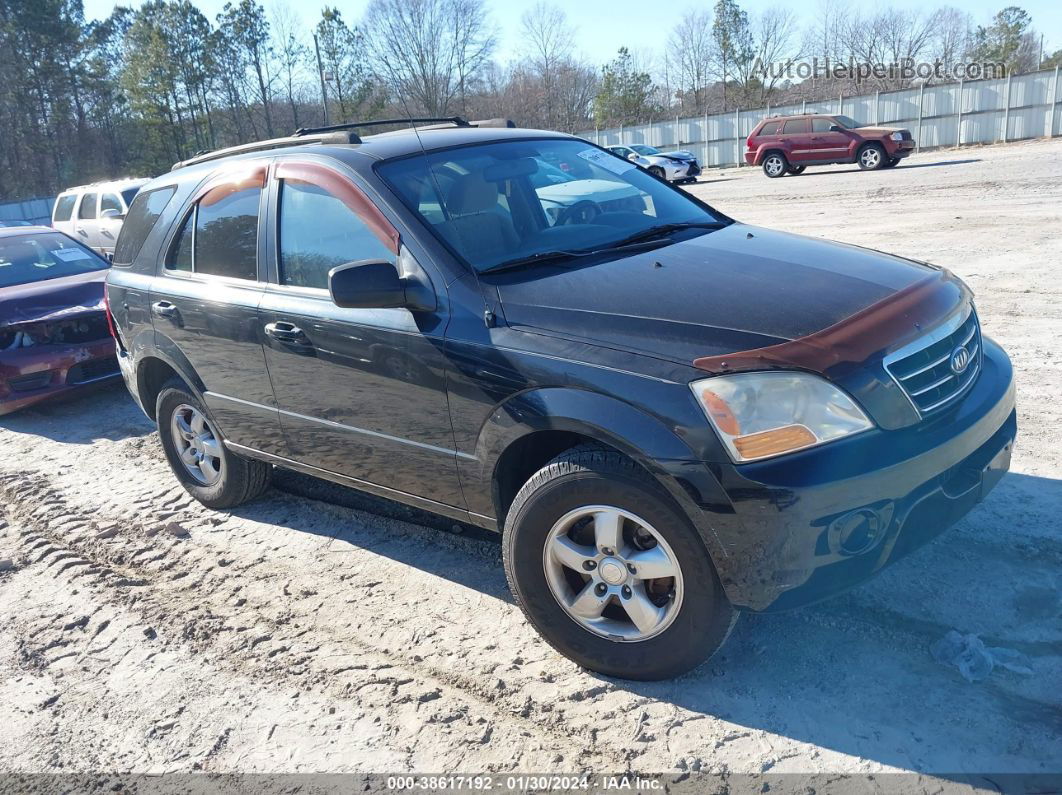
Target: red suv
x,y
789,144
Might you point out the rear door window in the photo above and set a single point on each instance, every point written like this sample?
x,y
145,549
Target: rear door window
x,y
87,210
219,235
64,207
795,126
139,221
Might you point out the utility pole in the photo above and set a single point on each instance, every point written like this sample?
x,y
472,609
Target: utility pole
x,y
320,74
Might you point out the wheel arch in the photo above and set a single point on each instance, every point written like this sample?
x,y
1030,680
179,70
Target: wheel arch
x,y
153,370
531,428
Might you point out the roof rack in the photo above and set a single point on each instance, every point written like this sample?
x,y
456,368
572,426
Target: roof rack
x,y
334,134
456,121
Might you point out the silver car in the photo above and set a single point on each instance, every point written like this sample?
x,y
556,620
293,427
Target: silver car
x,y
679,166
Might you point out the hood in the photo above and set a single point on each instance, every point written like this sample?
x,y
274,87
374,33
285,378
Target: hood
x,y
731,290
680,154
52,299
875,131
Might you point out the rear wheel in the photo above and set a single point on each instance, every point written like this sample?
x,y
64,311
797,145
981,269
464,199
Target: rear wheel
x,y
610,571
795,170
196,452
775,165
891,162
871,157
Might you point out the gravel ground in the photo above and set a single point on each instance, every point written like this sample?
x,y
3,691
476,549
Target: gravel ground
x,y
320,630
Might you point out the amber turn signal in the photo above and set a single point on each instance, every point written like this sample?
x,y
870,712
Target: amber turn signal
x,y
772,442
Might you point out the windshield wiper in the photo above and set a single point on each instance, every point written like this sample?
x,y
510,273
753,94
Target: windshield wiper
x,y
560,255
660,230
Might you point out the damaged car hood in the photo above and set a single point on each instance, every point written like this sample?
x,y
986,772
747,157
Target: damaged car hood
x,y
734,289
52,299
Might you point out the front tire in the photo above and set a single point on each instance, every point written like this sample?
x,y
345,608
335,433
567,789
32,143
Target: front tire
x,y
871,157
656,171
196,452
609,570
775,165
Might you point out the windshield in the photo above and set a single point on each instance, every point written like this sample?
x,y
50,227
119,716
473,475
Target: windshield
x,y
848,122
47,255
642,149
502,202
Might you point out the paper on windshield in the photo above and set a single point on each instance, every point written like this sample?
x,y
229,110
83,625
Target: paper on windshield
x,y
70,254
606,161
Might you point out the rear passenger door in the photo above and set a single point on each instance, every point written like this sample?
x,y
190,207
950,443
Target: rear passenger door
x,y
361,392
85,230
796,135
204,304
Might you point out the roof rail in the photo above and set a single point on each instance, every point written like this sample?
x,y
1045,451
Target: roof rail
x,y
271,143
457,121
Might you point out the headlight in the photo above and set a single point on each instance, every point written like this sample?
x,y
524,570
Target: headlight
x,y
897,136
759,415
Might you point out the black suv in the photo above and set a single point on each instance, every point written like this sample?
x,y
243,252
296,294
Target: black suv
x,y
670,416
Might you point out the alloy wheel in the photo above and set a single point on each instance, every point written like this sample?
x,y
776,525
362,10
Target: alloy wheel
x,y
197,444
870,157
613,573
774,166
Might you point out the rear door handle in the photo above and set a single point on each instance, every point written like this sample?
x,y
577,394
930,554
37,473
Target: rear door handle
x,y
283,331
164,309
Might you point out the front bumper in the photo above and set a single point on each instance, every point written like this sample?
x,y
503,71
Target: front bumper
x,y
31,375
899,149
809,525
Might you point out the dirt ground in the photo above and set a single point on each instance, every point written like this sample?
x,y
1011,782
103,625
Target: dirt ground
x,y
319,630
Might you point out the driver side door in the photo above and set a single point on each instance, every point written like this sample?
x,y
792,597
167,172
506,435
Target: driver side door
x,y
361,392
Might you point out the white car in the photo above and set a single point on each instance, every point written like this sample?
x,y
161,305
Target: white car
x,y
93,214
679,166
568,198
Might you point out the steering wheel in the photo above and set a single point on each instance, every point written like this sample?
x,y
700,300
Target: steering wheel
x,y
582,212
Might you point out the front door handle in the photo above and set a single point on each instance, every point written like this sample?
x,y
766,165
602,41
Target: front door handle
x,y
283,331
164,309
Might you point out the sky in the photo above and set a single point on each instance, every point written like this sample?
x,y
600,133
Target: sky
x,y
602,26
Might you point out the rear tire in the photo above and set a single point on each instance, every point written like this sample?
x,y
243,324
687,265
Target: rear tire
x,y
683,618
226,480
871,157
775,165
796,170
892,162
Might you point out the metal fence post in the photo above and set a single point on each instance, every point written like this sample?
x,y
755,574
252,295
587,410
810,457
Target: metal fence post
x,y
803,106
1052,104
622,141
1006,111
877,107
921,94
737,137
840,104
958,118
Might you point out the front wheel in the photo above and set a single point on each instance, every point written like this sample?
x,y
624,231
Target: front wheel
x,y
656,171
609,570
871,157
775,165
196,452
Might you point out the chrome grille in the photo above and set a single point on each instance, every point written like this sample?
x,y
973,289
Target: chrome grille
x,y
924,370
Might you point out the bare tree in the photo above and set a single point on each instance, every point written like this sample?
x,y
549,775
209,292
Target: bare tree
x,y
548,46
429,52
690,54
290,53
775,41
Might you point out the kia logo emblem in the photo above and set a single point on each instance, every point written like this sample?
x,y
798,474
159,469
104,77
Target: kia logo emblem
x,y
960,360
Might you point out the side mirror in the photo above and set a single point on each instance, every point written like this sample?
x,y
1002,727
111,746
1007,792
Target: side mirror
x,y
836,128
366,284
632,156
117,215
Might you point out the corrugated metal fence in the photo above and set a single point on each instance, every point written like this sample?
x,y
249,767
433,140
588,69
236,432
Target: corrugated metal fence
x,y
36,211
977,112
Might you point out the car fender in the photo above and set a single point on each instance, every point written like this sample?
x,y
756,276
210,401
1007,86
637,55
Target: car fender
x,y
164,349
615,423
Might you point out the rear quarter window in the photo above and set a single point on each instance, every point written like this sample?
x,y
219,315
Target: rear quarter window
x,y
143,214
770,128
64,207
